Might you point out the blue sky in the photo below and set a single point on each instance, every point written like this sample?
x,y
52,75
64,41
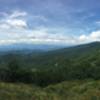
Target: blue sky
x,y
49,21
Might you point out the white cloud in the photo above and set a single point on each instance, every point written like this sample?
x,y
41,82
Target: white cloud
x,y
94,36
14,20
16,23
17,14
83,38
4,26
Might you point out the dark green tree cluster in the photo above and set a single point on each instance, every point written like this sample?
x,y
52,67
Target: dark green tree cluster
x,y
62,69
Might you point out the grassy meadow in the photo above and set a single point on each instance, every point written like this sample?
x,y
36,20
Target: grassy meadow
x,y
73,90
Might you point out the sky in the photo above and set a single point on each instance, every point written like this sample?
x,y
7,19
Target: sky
x,y
66,22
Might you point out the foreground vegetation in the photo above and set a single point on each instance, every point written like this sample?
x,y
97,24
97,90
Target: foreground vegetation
x,y
73,90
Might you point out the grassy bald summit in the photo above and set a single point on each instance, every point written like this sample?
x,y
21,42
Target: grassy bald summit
x,y
46,70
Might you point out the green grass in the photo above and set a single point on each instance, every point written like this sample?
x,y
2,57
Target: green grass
x,y
73,90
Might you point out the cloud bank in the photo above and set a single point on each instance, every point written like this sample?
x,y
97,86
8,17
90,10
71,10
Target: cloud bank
x,y
14,29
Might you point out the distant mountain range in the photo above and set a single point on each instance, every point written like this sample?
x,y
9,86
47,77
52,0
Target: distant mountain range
x,y
50,48
49,53
26,48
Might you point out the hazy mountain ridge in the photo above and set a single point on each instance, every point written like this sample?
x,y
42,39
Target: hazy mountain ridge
x,y
28,48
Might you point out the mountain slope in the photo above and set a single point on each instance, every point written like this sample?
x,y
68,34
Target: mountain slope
x,y
77,50
74,63
41,59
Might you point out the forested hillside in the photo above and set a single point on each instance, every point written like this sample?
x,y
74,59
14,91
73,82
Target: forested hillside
x,y
74,63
